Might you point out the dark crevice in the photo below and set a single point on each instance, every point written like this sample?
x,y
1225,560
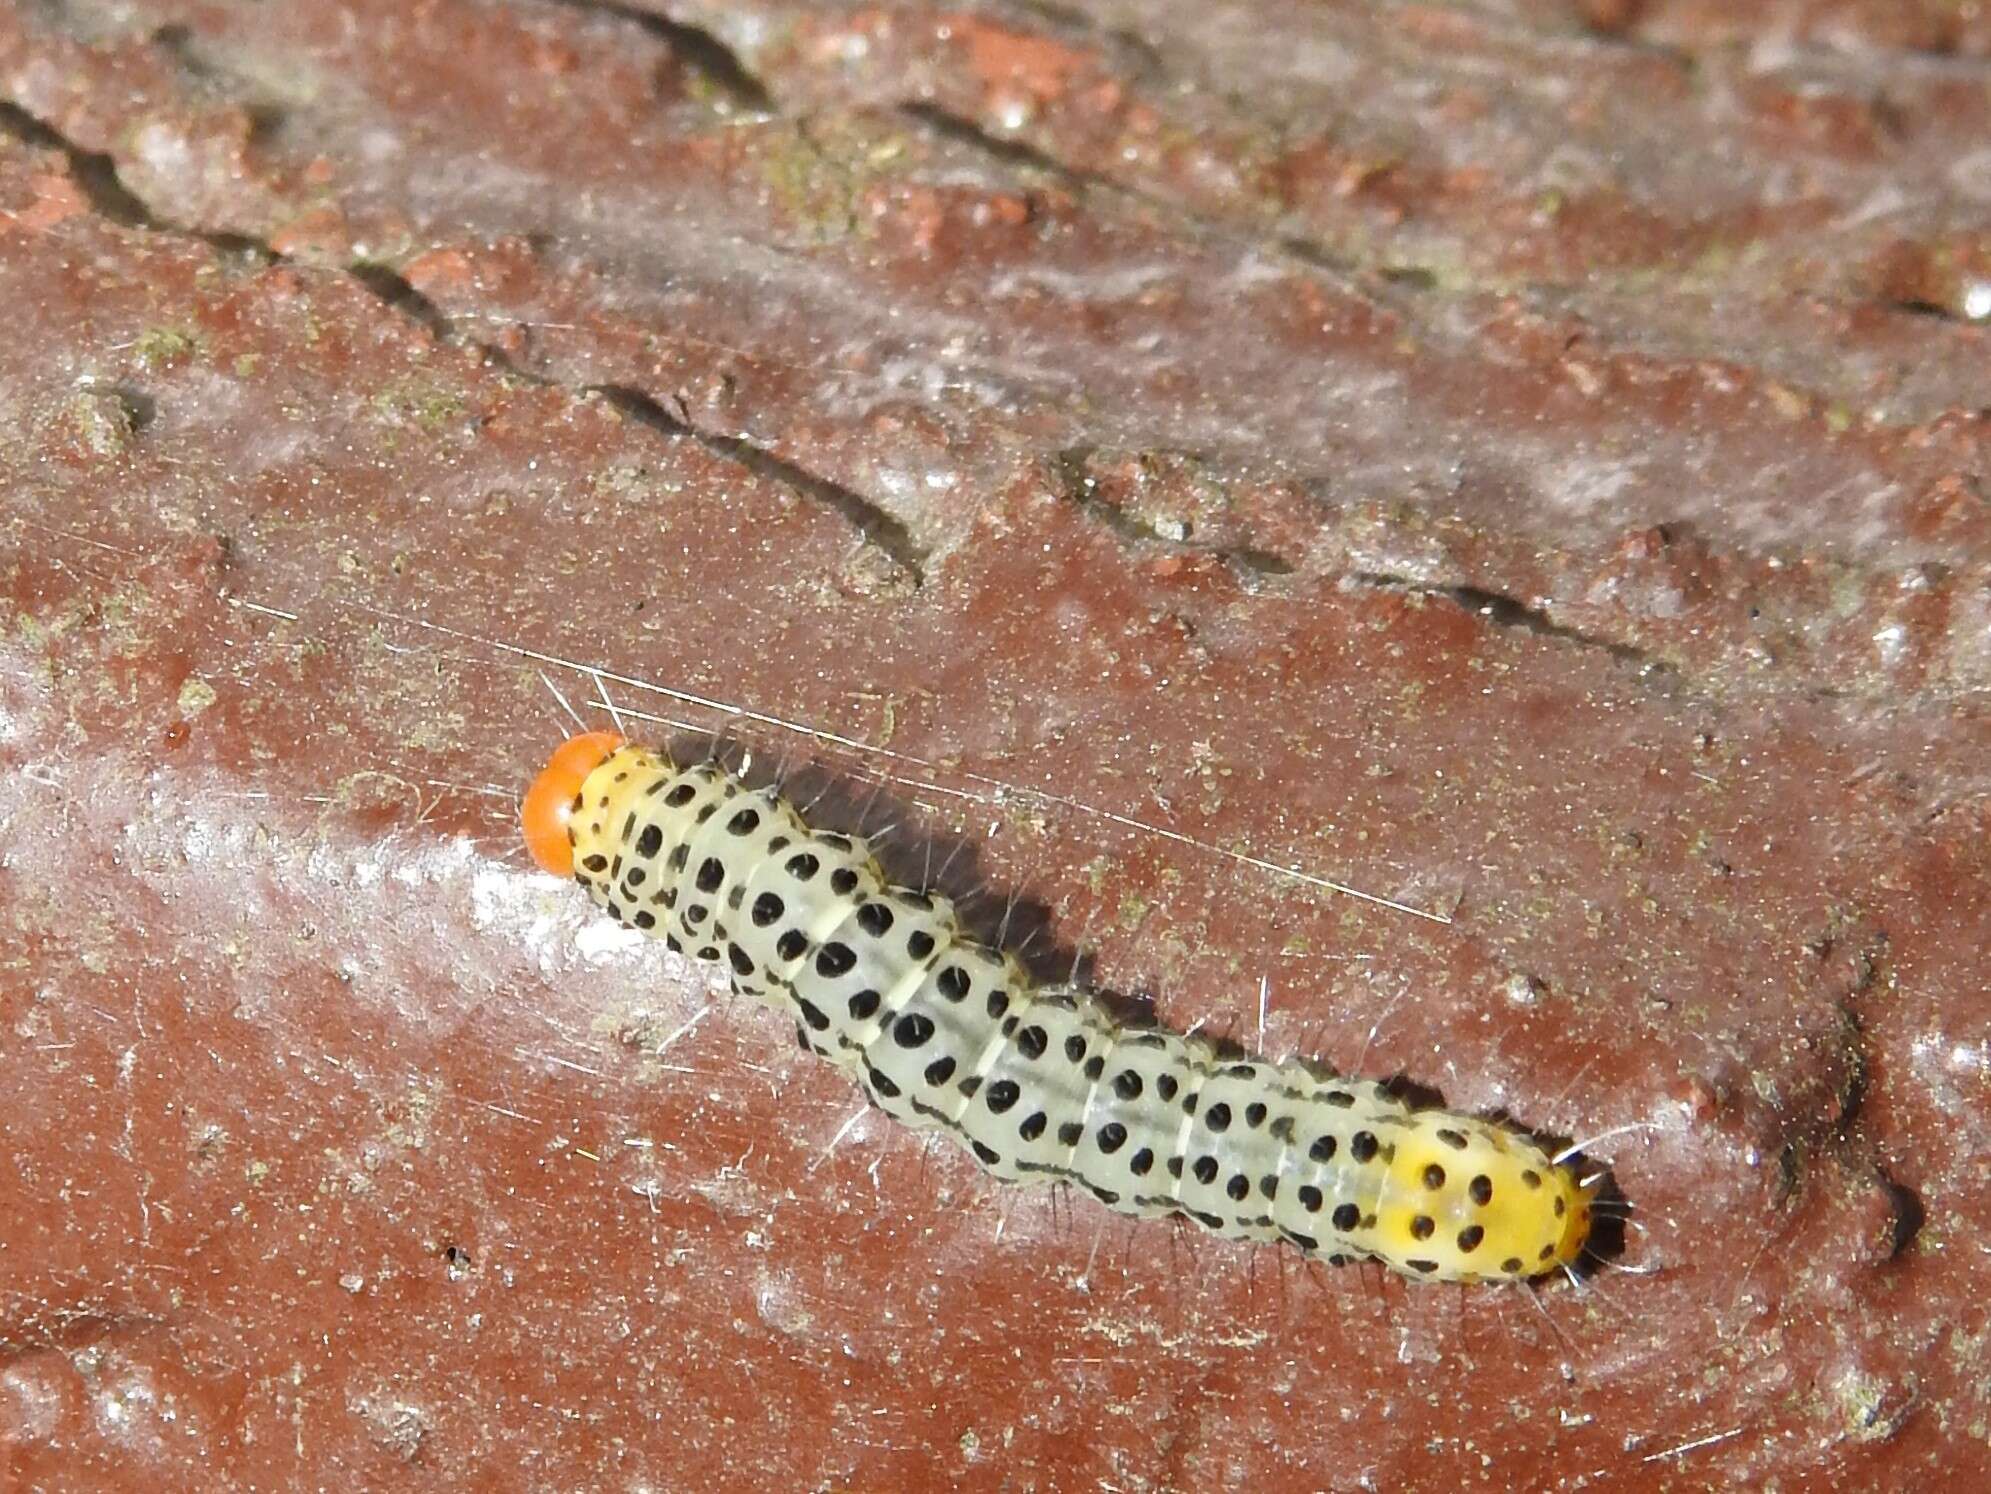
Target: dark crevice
x,y
91,170
176,40
718,64
1317,256
96,174
640,409
1253,561
1383,284
1931,310
392,289
948,125
1836,1132
1905,1212
1505,612
1906,1215
1251,564
878,527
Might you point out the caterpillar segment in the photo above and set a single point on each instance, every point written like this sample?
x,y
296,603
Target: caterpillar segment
x,y
1039,1083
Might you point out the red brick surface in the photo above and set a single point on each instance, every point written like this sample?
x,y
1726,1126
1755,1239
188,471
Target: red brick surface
x,y
1531,463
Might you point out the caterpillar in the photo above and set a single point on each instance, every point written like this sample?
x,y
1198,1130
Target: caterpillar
x,y
1039,1083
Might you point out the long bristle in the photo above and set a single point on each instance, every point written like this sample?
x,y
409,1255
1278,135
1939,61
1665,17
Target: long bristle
x,y
1577,1147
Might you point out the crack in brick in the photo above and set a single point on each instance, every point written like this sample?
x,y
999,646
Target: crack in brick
x,y
1932,310
1252,564
1906,1213
96,175
707,56
1504,611
1807,1134
878,527
948,125
394,291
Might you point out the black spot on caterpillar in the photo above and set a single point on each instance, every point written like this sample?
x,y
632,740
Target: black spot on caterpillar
x,y
1041,1083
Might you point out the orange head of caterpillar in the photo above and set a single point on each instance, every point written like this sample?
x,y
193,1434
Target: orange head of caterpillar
x,y
550,802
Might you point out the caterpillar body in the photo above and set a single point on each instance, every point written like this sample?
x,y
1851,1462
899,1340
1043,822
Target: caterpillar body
x,y
1039,1083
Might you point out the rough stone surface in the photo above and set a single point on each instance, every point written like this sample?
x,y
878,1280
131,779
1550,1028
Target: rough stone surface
x,y
1530,462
